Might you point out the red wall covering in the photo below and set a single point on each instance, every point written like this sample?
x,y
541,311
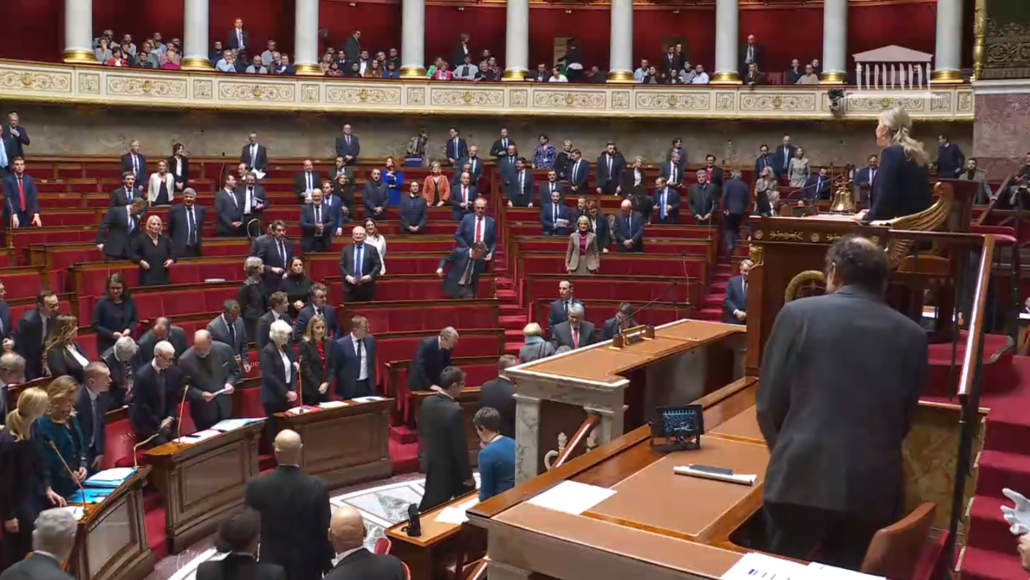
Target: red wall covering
x,y
785,32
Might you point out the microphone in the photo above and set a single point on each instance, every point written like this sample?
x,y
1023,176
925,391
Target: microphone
x,y
414,527
50,441
182,407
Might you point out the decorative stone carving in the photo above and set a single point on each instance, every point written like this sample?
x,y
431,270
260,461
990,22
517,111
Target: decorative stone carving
x,y
553,455
786,102
202,89
256,92
620,99
568,99
440,97
363,96
877,104
89,83
310,93
131,86
725,101
689,101
46,81
940,102
518,98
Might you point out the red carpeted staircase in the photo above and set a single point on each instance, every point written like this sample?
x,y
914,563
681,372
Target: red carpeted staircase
x,y
712,297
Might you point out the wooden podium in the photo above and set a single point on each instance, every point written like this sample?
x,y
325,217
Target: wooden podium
x,y
200,482
468,400
111,542
344,445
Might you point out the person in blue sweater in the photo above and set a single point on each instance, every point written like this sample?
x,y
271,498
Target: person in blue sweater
x,y
497,457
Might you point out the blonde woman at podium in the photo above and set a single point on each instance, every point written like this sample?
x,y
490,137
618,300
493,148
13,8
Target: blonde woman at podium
x,y
902,185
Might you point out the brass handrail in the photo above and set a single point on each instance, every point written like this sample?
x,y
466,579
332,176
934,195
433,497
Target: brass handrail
x,y
581,435
974,342
994,201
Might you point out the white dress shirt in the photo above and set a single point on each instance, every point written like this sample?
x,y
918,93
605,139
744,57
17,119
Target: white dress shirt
x,y
363,363
286,365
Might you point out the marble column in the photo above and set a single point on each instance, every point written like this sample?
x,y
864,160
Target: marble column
x,y
196,53
78,32
948,55
527,437
516,41
305,39
835,42
726,27
413,31
620,69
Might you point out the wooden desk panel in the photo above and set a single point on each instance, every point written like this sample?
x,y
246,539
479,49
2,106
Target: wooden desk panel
x,y
345,445
743,427
468,400
111,541
428,555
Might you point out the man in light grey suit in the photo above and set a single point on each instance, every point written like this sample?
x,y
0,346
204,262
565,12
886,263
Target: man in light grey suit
x,y
840,381
574,332
228,328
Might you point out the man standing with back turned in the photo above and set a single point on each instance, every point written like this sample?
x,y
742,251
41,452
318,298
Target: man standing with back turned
x,y
840,381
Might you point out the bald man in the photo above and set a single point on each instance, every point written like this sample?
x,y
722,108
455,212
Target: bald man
x,y
294,508
347,534
629,229
211,368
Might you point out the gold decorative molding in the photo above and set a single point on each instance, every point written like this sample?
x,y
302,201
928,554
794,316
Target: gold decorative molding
x,y
1006,50
108,86
803,280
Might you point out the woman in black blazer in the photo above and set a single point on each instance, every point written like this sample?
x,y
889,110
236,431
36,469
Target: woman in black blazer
x,y
902,185
179,166
343,188
114,315
61,356
252,299
238,537
278,376
315,362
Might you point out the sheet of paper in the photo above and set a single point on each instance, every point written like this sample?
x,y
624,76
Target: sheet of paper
x,y
333,404
113,474
452,515
221,392
824,572
233,424
468,504
76,511
369,399
199,436
572,497
761,567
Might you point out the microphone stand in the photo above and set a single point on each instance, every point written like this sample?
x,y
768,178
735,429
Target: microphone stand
x,y
135,459
182,407
82,490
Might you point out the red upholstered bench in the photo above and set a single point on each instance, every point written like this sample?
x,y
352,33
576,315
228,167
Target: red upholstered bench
x,y
598,311
692,247
619,264
22,282
322,266
176,300
393,288
638,290
91,279
396,346
23,238
478,370
22,306
413,315
398,244
531,227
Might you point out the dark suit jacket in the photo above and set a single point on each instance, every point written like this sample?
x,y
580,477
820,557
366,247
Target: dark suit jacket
x,y
141,171
371,264
119,378
458,151
210,375
611,328
227,212
120,196
703,200
578,177
5,321
557,315
603,230
506,167
735,299
736,197
835,401
343,149
763,162
313,371
15,146
11,201
347,368
28,341
92,424
444,450
819,188
618,165
185,177
477,168
548,222
332,326
778,158
352,48
629,231
430,360
150,403
234,41
239,567
544,192
673,199
671,172
60,362
300,182
950,161
364,565
414,212
497,393
264,324
145,354
295,511
499,148
178,226
466,234
219,329
269,254
375,194
260,160
759,53
308,223
901,187
273,377
672,63
520,193
259,196
115,235
561,334
459,259
36,568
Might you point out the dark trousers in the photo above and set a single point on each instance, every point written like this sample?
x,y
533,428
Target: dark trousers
x,y
731,231
806,533
462,292
359,292
189,252
14,546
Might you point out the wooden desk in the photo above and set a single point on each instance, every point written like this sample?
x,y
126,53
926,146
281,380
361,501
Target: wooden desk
x,y
442,548
111,542
344,445
201,482
469,403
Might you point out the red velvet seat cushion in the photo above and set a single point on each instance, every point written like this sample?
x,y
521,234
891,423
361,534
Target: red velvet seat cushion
x,y
22,284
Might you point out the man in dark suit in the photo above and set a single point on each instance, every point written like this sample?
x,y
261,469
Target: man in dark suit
x,y
278,305
352,46
865,177
34,327
239,535
135,162
238,39
751,53
736,201
559,311
15,138
715,175
229,211
276,251
498,394
554,216
704,199
228,328
155,401
163,329
734,304
672,171
552,185
120,227
462,49
950,160
819,186
629,229
667,200
91,407
474,162
478,227
354,361
507,165
318,297
462,278
763,160
21,199
414,211
443,444
254,199
578,173
681,153
500,147
519,189
213,373
574,332
376,196
53,539
127,192
610,165
622,320
120,365
307,181
672,63
186,225
347,534
433,355
347,144
254,154
456,147
835,401
317,224
463,196
360,265
295,512
784,153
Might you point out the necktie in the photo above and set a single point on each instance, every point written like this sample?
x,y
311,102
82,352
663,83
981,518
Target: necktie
x,y
21,193
359,347
191,228
132,223
455,147
232,194
282,252
609,167
522,181
348,140
253,155
239,38
357,260
464,194
473,160
575,338
665,193
872,175
504,143
673,172
566,305
308,179
465,70
318,214
479,229
554,213
232,333
786,158
247,202
135,164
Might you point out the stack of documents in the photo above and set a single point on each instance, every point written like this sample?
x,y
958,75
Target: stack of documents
x,y
233,424
110,478
93,495
301,410
456,514
754,565
572,497
333,404
198,436
368,399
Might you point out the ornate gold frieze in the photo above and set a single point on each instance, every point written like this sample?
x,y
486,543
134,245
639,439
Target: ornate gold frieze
x,y
786,236
1006,48
45,81
786,102
372,96
166,88
570,99
464,98
647,100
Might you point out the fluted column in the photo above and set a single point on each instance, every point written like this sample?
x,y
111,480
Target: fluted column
x,y
413,35
948,57
516,41
620,68
835,42
195,36
78,32
305,38
726,27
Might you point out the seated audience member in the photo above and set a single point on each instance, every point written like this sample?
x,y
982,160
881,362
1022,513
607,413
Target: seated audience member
x,y
34,326
61,354
347,534
556,76
793,74
466,264
973,173
213,373
377,240
256,67
307,181
704,200
497,456
499,394
278,306
809,78
574,332
21,198
103,51
462,198
251,296
534,346
119,361
119,228
753,77
117,58
359,267
269,53
734,305
91,404
414,211
186,225
314,353
431,358
466,71
444,443
317,224
700,76
283,67
155,403
229,328
238,537
667,200
478,227
629,229
540,75
819,186
436,189
154,253
296,285
622,320
227,64
114,314
62,438
376,196
279,371
170,61
442,74
316,306
162,330
229,211
554,216
581,256
216,52
354,361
